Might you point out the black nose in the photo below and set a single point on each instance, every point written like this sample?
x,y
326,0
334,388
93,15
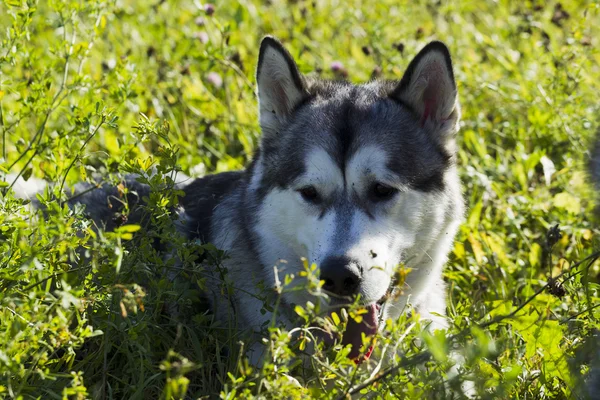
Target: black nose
x,y
341,275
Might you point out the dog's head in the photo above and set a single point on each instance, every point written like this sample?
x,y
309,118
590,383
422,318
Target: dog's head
x,y
355,178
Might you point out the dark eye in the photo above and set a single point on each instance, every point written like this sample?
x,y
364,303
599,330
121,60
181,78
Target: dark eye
x,y
309,193
383,192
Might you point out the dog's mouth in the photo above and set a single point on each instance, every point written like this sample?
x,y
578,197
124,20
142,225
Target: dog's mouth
x,y
368,325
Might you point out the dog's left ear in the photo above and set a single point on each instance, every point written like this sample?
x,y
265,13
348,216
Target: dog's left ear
x,y
428,87
280,85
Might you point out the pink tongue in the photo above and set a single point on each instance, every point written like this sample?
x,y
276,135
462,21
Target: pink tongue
x,y
353,336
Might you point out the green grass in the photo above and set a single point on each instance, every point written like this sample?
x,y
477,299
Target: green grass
x,y
96,89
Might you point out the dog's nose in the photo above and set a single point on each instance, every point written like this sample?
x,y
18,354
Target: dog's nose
x,y
341,276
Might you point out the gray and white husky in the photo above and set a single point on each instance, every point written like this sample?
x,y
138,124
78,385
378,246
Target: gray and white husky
x,y
357,179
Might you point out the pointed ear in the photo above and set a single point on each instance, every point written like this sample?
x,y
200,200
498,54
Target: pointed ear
x,y
428,87
280,86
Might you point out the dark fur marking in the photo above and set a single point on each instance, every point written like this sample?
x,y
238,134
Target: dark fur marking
x,y
201,198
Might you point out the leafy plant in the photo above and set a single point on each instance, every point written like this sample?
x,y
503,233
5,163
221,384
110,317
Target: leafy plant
x,y
94,91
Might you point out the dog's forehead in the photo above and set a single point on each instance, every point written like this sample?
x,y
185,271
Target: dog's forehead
x,y
343,119
364,118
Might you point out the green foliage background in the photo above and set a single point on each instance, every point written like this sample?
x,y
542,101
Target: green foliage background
x,y
91,90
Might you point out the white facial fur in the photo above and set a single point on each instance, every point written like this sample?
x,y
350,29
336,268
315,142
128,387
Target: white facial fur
x,y
293,228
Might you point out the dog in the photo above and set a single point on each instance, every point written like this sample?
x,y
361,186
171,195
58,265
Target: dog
x,y
357,179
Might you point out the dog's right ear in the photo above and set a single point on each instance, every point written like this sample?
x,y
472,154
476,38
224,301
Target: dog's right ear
x,y
280,85
428,87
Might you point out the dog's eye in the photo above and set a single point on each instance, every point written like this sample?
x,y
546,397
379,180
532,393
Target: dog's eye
x,y
309,193
383,192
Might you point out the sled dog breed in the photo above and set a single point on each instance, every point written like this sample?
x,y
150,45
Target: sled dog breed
x,y
357,179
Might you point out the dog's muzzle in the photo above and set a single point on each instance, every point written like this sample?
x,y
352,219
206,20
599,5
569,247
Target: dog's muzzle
x,y
342,278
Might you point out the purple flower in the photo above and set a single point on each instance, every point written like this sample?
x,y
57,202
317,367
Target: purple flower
x,y
337,66
209,9
214,79
201,36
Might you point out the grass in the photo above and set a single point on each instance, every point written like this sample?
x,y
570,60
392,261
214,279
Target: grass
x,y
94,90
